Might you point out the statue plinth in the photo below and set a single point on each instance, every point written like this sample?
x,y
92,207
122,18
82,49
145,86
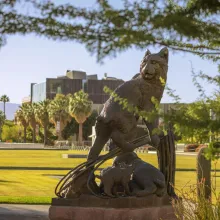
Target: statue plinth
x,y
89,207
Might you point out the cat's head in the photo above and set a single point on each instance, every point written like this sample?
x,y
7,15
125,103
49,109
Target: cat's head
x,y
154,66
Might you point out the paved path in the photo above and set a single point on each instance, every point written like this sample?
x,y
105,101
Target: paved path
x,y
23,212
179,153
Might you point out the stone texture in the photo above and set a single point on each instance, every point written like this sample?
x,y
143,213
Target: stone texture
x,y
126,202
88,207
81,213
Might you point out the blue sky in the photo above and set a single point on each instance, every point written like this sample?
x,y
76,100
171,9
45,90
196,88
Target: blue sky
x,y
27,59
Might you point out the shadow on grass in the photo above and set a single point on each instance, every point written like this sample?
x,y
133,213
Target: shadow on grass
x,y
6,181
33,168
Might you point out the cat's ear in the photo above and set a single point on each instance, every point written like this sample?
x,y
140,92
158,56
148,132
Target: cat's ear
x,y
147,53
164,53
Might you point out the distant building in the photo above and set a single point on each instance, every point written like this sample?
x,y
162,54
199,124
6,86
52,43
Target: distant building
x,y
26,100
75,80
72,82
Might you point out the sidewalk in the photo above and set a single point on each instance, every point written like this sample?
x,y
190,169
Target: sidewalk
x,y
179,153
23,212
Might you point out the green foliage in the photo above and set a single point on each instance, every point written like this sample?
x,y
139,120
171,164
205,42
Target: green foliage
x,y
193,207
42,116
213,151
72,127
80,107
2,121
42,112
87,126
149,116
105,30
11,133
58,112
4,98
59,109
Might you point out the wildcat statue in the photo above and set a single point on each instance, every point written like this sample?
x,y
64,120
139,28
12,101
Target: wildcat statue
x,y
111,177
119,124
146,179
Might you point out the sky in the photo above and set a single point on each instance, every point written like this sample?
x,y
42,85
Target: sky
x,y
32,59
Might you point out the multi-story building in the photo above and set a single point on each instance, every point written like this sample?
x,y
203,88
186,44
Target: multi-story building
x,y
72,82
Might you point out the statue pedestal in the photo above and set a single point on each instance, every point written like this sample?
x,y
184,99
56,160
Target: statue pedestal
x,y
89,207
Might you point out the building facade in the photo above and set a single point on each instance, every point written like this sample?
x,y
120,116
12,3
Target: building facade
x,y
72,82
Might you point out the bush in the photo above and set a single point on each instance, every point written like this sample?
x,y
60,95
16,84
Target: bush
x,y
213,151
193,207
12,133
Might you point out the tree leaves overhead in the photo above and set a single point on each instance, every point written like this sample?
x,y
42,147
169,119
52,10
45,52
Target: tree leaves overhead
x,y
188,25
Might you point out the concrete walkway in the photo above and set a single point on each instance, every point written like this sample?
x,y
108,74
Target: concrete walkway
x,y
23,212
179,153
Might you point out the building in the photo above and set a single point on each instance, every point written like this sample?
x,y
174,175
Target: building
x,y
72,82
26,100
75,80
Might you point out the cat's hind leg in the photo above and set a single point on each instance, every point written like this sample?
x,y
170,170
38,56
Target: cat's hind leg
x,y
108,187
150,189
161,192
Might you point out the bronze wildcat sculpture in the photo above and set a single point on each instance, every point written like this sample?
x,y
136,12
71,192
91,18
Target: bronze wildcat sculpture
x,y
146,179
120,125
112,176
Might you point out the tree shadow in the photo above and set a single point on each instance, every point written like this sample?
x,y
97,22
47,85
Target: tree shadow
x,y
6,181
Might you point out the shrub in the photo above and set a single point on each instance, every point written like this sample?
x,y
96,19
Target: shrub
x,y
12,133
193,207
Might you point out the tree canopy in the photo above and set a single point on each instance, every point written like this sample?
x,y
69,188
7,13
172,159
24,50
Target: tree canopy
x,y
188,25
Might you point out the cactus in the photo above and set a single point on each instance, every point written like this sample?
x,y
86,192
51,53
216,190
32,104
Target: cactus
x,y
203,174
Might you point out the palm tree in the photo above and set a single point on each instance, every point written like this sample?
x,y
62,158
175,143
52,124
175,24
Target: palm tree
x,y
59,113
80,107
42,116
31,118
2,120
4,99
20,119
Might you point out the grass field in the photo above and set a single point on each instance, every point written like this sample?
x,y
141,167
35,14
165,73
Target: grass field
x,y
20,185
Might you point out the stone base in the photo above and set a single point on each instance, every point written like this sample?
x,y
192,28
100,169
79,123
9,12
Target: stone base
x,y
131,208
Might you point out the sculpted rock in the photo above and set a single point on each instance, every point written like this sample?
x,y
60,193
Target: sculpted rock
x,y
146,178
111,177
119,124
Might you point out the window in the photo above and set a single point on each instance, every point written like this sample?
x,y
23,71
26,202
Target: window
x,y
55,87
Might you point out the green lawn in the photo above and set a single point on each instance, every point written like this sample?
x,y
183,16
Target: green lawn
x,y
37,186
52,158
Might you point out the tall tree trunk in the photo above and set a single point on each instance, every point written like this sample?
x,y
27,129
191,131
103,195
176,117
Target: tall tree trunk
x,y
25,134
45,134
34,134
60,135
60,131
80,134
4,111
